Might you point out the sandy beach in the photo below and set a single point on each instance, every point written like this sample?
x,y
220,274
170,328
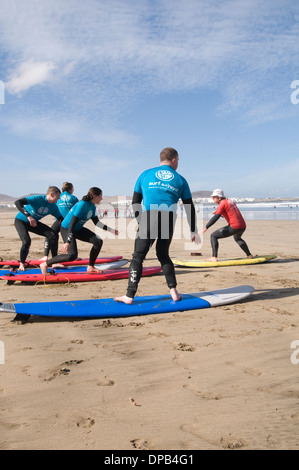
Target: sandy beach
x,y
219,378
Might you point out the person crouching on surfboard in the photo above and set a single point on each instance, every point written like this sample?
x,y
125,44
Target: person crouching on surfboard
x,y
72,229
31,210
235,228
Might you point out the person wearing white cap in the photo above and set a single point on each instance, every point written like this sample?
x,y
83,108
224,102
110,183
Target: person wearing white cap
x,y
236,224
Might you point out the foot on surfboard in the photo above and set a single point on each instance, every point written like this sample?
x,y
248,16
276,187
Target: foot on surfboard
x,y
175,295
124,299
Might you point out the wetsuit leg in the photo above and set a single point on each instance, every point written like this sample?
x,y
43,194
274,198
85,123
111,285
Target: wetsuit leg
x,y
23,229
225,232
70,256
88,236
242,244
153,225
143,243
166,227
54,250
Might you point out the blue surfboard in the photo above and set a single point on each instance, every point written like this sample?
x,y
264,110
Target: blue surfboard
x,y
109,308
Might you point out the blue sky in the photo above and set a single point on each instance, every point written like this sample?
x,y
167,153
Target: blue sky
x,y
94,90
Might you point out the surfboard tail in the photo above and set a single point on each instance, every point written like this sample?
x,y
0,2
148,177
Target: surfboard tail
x,y
7,308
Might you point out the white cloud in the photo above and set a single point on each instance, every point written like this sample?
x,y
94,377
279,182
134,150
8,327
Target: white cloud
x,y
29,74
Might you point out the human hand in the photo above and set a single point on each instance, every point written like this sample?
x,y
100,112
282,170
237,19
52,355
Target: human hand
x,y
65,248
32,221
195,237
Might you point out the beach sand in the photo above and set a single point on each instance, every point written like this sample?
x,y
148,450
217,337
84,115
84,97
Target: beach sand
x,y
218,378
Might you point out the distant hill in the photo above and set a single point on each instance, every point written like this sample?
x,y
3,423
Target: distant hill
x,y
4,199
198,194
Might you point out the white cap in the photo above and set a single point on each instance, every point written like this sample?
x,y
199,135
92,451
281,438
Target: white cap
x,y
218,192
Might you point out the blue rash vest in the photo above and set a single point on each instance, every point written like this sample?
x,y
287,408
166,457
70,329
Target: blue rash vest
x,y
161,188
84,210
66,202
38,207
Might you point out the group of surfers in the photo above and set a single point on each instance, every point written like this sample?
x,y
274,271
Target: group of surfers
x,y
156,194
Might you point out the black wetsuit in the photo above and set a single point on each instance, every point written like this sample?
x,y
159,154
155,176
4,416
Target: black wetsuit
x,y
23,228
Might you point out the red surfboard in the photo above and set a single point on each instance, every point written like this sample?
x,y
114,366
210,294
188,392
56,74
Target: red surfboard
x,y
109,274
77,262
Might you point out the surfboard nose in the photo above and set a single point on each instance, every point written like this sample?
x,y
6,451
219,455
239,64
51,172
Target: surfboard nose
x,y
7,308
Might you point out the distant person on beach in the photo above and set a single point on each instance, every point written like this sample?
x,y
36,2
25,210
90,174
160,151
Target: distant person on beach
x,y
66,201
235,228
31,210
72,229
160,189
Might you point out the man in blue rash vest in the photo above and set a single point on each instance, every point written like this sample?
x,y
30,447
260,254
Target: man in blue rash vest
x,y
66,201
72,228
31,210
160,189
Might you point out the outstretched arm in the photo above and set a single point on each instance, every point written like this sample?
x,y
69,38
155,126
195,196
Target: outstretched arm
x,y
211,222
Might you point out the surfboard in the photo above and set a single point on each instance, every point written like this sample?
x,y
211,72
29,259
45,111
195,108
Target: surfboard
x,y
65,269
109,274
109,308
223,262
77,262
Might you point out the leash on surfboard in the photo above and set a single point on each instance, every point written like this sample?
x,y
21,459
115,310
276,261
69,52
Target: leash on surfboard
x,y
52,284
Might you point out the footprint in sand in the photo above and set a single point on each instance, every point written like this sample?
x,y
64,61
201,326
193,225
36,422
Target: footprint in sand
x,y
204,395
184,347
85,422
105,382
254,372
62,369
140,444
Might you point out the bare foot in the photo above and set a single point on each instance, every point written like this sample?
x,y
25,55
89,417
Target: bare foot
x,y
21,267
44,268
45,258
58,265
212,259
92,269
124,299
175,295
250,257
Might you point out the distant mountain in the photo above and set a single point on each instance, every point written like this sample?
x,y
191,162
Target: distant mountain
x,y
4,199
198,194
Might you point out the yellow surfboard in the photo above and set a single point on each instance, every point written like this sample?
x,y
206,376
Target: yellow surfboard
x,y
223,262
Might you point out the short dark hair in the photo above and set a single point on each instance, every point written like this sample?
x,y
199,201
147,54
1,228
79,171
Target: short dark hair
x,y
168,154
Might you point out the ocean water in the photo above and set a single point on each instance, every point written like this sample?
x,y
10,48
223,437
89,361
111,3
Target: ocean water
x,y
262,211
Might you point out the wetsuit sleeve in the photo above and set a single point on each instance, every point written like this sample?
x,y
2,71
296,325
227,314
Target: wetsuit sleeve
x,y
100,224
70,234
20,205
213,220
191,214
137,206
